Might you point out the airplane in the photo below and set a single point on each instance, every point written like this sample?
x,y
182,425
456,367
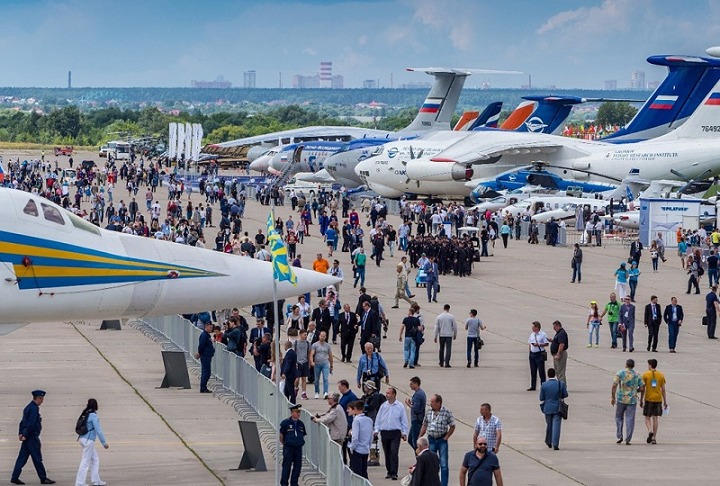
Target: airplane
x,y
58,266
482,151
434,114
437,110
385,171
341,165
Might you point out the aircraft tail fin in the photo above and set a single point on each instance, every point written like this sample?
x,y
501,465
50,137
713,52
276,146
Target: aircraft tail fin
x,y
440,103
465,121
2,173
517,117
704,122
688,81
550,113
489,117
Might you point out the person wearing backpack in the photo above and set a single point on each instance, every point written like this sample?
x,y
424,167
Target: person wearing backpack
x,y
89,430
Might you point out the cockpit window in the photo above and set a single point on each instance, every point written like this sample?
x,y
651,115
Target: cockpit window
x,y
31,208
82,224
52,214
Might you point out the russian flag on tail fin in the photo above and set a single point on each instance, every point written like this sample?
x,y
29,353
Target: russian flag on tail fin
x,y
663,103
2,173
431,105
713,99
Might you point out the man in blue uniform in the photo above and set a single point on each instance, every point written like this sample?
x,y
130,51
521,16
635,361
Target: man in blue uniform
x,y
205,353
29,435
292,437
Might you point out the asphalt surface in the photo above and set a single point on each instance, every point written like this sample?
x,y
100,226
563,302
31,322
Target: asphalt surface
x,y
182,437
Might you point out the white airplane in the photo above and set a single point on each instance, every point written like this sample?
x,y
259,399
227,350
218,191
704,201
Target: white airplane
x,y
690,150
538,205
57,266
341,164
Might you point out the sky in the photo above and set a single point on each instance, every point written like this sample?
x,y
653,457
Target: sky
x,y
168,43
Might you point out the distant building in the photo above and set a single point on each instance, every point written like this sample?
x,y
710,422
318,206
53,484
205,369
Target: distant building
x,y
637,80
337,82
653,85
248,79
420,85
300,81
326,76
369,84
219,83
611,84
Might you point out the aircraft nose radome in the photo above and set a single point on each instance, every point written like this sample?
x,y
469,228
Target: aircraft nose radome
x,y
260,164
307,281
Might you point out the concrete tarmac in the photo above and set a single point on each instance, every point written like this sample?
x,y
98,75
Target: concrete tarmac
x,y
510,289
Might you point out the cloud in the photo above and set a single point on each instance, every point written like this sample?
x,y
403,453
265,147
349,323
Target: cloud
x,y
309,51
563,18
362,40
610,15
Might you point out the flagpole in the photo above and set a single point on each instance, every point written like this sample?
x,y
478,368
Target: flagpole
x,y
278,392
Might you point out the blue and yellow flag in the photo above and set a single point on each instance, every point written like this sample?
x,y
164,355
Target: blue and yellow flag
x,y
281,268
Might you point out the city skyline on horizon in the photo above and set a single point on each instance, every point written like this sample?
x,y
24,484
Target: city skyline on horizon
x,y
168,43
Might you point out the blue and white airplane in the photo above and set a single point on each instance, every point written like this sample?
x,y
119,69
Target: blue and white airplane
x,y
57,266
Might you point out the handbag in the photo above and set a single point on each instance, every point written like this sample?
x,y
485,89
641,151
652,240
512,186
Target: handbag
x,y
480,343
563,406
543,355
407,480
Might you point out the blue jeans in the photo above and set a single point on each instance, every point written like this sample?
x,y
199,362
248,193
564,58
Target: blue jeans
x,y
577,272
633,287
594,328
440,447
409,351
625,414
323,369
712,276
414,435
407,289
360,275
613,333
673,330
403,243
553,422
472,344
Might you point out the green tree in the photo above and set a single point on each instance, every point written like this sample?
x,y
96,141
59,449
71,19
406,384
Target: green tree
x,y
153,121
65,122
615,113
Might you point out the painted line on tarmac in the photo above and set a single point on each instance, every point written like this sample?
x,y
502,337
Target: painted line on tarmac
x,y
149,405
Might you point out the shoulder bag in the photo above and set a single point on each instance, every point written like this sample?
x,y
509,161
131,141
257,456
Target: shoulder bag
x,y
563,406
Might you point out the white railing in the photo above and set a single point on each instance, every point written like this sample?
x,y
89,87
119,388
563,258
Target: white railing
x,y
241,377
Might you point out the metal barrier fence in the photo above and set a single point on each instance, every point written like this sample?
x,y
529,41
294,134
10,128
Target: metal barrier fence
x,y
241,378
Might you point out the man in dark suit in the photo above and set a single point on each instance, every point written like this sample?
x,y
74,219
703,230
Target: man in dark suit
x,y
321,317
364,297
348,331
369,325
426,471
288,372
256,334
673,316
653,319
551,392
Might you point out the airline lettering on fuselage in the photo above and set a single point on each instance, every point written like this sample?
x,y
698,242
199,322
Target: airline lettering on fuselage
x,y
629,154
673,208
400,172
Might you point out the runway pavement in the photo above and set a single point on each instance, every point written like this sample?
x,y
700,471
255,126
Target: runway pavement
x,y
182,437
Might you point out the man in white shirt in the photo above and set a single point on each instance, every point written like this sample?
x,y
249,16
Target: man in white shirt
x,y
537,342
392,424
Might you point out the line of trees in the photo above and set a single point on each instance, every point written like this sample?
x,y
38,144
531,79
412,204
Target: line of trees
x,y
68,125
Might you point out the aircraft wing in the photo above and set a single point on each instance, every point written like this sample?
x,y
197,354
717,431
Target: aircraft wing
x,y
488,151
295,135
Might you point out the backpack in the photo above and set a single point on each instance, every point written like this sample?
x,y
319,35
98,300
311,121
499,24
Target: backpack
x,y
81,426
